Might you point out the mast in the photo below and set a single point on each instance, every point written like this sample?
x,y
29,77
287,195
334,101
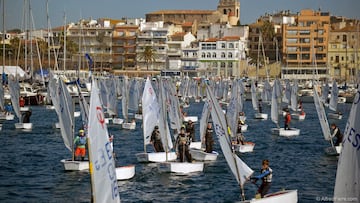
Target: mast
x,y
31,45
3,38
64,51
48,32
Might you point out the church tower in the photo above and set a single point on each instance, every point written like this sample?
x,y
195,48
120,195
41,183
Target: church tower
x,y
230,9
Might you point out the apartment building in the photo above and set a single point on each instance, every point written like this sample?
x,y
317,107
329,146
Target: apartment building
x,y
305,46
343,51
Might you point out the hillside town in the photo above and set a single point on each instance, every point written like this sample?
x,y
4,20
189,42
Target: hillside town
x,y
195,43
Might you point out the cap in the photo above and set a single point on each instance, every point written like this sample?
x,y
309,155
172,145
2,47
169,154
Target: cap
x,y
81,131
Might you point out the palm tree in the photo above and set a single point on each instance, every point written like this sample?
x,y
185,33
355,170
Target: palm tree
x,y
267,30
149,55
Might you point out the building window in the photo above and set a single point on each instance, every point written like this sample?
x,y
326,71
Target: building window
x,y
337,59
334,46
223,45
222,54
331,58
214,64
231,46
230,64
214,55
222,65
337,71
230,55
344,38
342,58
208,55
202,55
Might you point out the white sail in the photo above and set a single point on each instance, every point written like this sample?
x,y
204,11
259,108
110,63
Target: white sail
x,y
287,94
294,96
266,93
232,114
325,92
102,163
134,95
163,121
84,108
274,103
103,92
111,97
150,110
239,168
65,111
14,89
253,96
334,96
2,99
321,114
125,98
174,107
204,119
347,187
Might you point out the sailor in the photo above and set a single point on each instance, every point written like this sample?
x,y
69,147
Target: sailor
x,y
182,146
8,108
336,133
22,101
209,142
80,143
26,116
260,105
265,176
190,129
156,140
287,120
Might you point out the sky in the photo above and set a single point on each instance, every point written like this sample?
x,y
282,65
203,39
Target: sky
x,y
250,10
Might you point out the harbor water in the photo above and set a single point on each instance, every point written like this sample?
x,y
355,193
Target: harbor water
x,y
31,170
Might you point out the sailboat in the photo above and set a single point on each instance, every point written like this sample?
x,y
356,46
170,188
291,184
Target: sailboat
x,y
333,102
150,111
347,187
171,166
14,88
294,103
3,114
196,150
102,164
276,95
239,168
64,108
333,150
125,106
258,115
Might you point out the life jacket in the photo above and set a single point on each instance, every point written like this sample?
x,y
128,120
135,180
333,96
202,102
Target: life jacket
x,y
82,140
183,139
267,178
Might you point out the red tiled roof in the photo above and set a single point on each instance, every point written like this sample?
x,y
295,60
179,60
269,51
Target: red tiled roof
x,y
211,40
179,34
229,38
187,24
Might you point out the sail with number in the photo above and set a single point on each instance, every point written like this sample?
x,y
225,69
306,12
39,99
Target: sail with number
x,y
150,110
347,187
334,96
322,116
239,168
102,163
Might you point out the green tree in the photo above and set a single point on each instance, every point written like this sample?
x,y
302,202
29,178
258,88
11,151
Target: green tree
x,y
267,30
149,55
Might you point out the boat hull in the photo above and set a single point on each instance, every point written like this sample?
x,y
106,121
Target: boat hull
x,y
195,145
125,172
200,155
26,126
246,147
333,151
129,126
285,133
192,118
263,116
138,116
156,157
181,167
335,116
288,196
8,117
70,165
298,116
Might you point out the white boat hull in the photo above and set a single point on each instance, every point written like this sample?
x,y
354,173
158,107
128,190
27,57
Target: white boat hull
x,y
125,172
156,157
70,165
246,147
129,126
192,118
138,116
50,107
334,116
24,108
195,145
286,133
200,155
76,114
285,196
333,151
57,125
26,126
298,116
261,116
181,167
117,121
8,117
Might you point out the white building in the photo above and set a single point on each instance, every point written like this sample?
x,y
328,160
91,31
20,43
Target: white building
x,y
222,57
